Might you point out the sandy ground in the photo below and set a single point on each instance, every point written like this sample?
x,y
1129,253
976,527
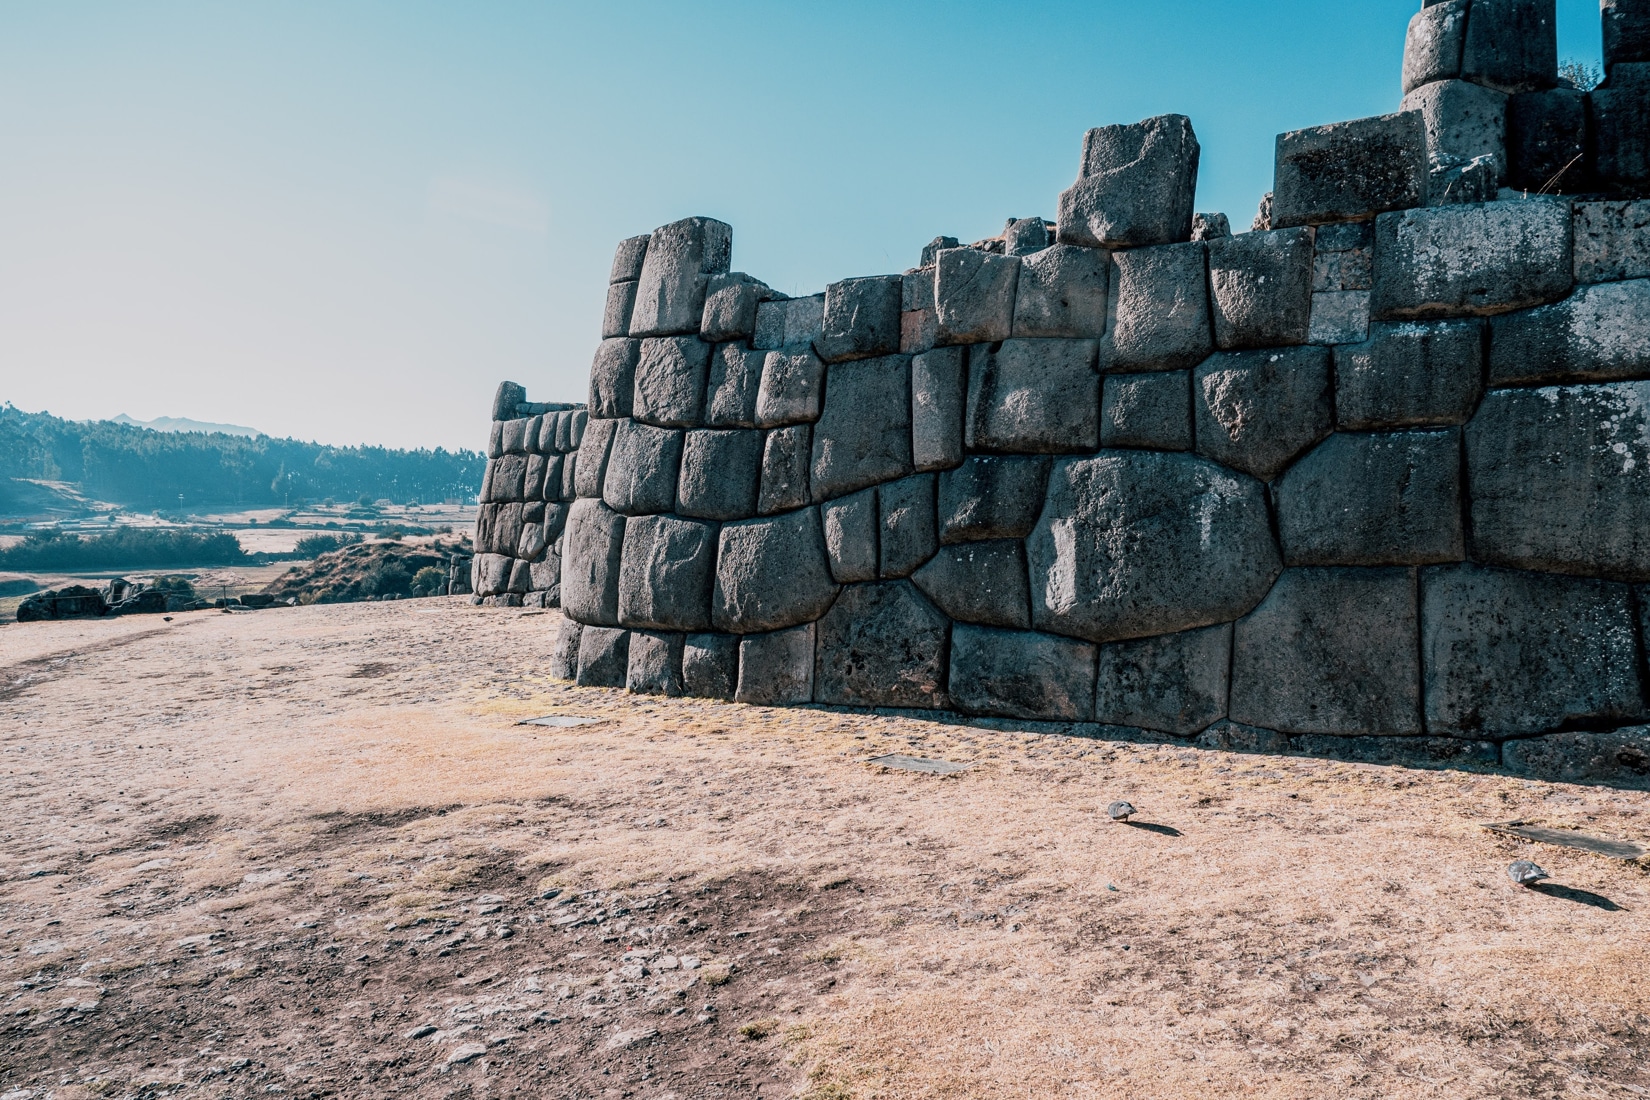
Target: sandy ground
x,y
312,852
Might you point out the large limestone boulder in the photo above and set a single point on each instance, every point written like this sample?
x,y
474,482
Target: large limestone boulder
x,y
771,574
591,551
1258,410
676,268
1034,397
864,433
1021,674
1135,187
882,645
666,571
1473,259
1174,683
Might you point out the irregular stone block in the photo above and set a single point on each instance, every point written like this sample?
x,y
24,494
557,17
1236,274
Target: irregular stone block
x,y
1547,142
1150,411
1512,45
1560,479
1210,227
521,578
851,536
1228,736
515,436
490,574
1626,32
1410,375
1339,317
1175,683
507,530
549,430
654,664
531,545
864,433
710,666
771,574
1345,237
532,486
642,468
789,322
770,324
1135,188
777,670
1621,128
495,440
604,657
1061,293
1034,397
1616,757
1137,543
918,330
1346,269
731,386
1263,216
881,645
666,572
1463,122
506,398
627,259
569,476
1599,333
1019,674
1382,499
1478,180
861,319
1432,48
1451,752
939,390
1259,410
980,582
1350,170
591,551
785,454
510,478
555,521
1456,261
790,390
1025,236
1511,653
613,377
730,307
917,287
564,658
1162,309
974,296
991,497
906,537
546,578
621,299
1261,289
933,248
1330,651
670,381
1612,241
680,259
721,474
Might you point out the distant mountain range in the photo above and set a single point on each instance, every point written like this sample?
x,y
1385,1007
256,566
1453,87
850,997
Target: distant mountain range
x,y
184,424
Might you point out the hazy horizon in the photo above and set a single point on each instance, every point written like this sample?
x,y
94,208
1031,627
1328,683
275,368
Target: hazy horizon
x,y
348,223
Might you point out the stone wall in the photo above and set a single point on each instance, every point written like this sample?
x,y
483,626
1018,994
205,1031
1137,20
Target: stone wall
x,y
1372,479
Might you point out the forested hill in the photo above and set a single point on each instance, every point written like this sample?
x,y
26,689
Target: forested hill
x,y
141,468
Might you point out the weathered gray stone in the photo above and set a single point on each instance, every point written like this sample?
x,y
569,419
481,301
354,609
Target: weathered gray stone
x,y
864,433
710,665
1258,410
681,257
495,439
490,574
1151,411
1034,397
532,486
790,390
789,323
1137,543
1599,333
613,377
1512,653
1339,317
1511,45
1229,736
621,299
666,572
627,259
564,658
1344,256
549,432
1626,32
1560,479
1621,128
1382,499
510,478
1135,188
771,574
980,582
861,319
1617,757
1025,236
1261,289
1061,293
931,250
1432,48
1330,651
569,477
641,469
906,537
1612,241
1478,180
654,664
1455,261
1463,122
506,398
721,474
555,521
785,454
591,551
1451,752
670,381
515,436
919,329
1210,227
1410,375
851,524
521,577
531,545
1350,170
731,386
1161,306
777,670
1019,674
1175,683
1547,142
604,657
546,577
917,287
991,497
770,324
939,391
730,307
1263,216
881,645
974,296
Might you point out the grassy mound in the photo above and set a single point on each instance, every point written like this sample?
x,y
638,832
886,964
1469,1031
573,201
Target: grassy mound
x,y
364,571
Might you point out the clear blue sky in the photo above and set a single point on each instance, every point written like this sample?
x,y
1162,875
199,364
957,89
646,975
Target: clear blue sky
x,y
347,221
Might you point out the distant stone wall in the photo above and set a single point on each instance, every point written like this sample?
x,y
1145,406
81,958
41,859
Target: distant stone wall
x,y
1372,479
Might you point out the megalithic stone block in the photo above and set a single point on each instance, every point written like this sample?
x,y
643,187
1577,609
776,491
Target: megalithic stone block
x,y
495,440
681,257
564,659
666,572
670,381
510,478
1350,170
642,468
1161,317
721,474
991,497
1062,292
1259,410
792,388
939,392
777,669
1619,756
1149,411
731,387
515,436
1458,261
974,296
1598,334
851,524
864,433
592,548
907,537
621,299
1136,186
730,307
604,657
1621,128
1626,32
789,323
861,319
710,666
1174,683
785,455
1612,241
1260,288
1410,375
1511,45
1339,317
1020,674
1025,236
654,664
594,450
771,574
1547,142
1432,48
980,582
506,398
881,645
1034,397
613,377
627,259
1464,122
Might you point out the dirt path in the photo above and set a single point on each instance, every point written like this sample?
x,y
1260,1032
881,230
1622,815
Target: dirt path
x,y
312,852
